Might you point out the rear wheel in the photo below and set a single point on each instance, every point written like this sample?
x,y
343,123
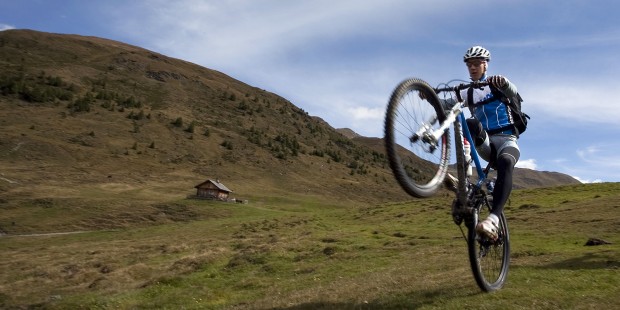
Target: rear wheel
x,y
419,164
489,259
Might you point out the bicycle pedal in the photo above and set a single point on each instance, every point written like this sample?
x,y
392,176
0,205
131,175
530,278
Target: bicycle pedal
x,y
458,219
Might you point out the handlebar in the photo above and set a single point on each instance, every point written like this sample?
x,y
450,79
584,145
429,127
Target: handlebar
x,y
475,84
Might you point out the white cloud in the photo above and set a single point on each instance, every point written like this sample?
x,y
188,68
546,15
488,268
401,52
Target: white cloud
x,y
587,181
591,164
586,101
236,33
227,32
527,163
4,27
602,155
563,41
363,113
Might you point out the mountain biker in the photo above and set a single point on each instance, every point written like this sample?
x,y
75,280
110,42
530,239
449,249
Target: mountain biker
x,y
492,131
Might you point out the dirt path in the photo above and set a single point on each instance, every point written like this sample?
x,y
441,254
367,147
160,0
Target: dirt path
x,y
52,234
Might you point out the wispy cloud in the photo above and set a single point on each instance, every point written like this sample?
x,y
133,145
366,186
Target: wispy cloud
x,y
527,163
364,113
587,101
604,156
241,32
591,164
4,27
563,41
587,180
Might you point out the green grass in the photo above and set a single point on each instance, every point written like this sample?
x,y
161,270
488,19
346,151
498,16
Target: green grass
x,y
301,252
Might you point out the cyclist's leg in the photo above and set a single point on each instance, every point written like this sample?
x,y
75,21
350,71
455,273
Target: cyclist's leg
x,y
508,155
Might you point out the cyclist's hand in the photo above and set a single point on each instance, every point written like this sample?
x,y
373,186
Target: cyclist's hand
x,y
497,80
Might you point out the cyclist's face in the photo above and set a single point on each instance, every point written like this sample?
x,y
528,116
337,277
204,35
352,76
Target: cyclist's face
x,y
476,68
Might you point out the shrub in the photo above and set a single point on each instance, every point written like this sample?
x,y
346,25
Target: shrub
x,y
191,127
178,122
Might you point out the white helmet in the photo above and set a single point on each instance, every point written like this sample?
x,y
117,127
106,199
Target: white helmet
x,y
477,52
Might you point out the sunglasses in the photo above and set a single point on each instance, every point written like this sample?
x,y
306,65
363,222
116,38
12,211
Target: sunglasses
x,y
475,63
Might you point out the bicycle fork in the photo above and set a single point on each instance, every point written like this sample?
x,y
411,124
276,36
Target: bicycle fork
x,y
431,137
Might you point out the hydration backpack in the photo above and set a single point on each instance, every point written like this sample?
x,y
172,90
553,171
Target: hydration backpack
x,y
514,106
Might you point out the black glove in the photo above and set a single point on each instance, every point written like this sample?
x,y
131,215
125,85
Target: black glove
x,y
497,81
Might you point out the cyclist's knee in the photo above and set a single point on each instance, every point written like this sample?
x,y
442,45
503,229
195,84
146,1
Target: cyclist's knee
x,y
512,152
507,158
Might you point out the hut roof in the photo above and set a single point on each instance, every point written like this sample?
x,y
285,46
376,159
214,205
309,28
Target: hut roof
x,y
217,184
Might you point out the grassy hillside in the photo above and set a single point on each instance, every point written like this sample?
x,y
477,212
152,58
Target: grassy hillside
x,y
83,110
301,253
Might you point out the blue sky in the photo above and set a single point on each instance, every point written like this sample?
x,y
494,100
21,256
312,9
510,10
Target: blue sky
x,y
341,59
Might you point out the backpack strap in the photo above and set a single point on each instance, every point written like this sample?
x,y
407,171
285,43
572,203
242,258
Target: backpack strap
x,y
512,106
458,96
496,92
470,100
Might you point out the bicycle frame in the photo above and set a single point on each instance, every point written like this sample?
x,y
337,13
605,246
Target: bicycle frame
x,y
456,115
482,173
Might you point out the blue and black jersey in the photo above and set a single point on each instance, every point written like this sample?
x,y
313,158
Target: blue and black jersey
x,y
488,108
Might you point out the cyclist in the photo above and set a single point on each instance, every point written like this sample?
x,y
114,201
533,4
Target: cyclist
x,y
492,129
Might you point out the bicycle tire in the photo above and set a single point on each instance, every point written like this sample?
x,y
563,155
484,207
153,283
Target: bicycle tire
x,y
419,168
489,259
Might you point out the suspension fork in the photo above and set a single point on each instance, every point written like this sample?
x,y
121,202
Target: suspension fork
x,y
432,137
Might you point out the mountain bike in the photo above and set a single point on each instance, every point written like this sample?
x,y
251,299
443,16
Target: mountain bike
x,y
417,141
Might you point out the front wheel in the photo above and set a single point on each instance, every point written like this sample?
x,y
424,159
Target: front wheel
x,y
418,163
489,259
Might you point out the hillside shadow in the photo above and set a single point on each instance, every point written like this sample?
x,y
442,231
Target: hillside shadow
x,y
411,300
587,261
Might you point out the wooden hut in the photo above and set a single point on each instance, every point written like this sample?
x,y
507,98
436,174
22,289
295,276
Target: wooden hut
x,y
211,189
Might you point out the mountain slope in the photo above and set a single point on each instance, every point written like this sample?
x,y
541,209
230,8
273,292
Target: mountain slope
x,y
522,178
